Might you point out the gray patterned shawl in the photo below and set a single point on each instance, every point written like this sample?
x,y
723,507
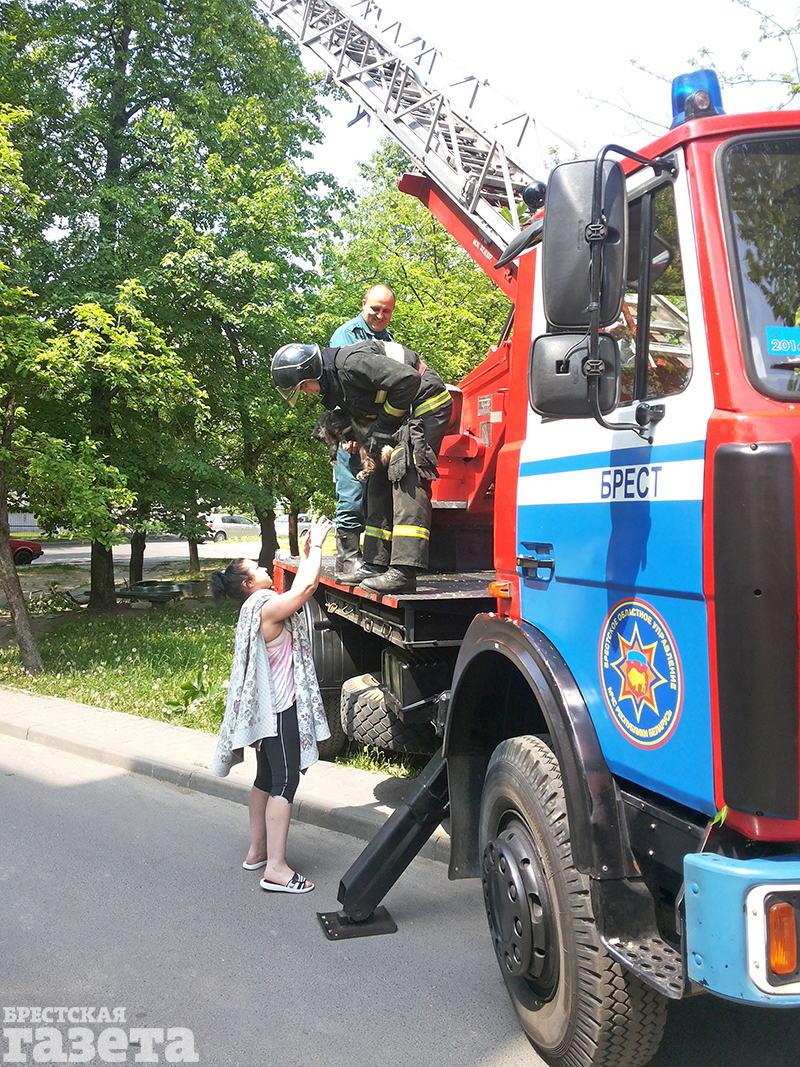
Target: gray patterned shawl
x,y
250,710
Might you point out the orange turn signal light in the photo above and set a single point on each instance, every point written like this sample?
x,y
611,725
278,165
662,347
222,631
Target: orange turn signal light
x,y
500,589
782,938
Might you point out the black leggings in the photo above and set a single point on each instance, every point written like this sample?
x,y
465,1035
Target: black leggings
x,y
279,758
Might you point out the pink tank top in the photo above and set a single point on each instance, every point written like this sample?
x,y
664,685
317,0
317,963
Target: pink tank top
x,y
279,652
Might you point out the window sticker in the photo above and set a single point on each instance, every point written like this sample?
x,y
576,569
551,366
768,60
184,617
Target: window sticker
x,y
783,341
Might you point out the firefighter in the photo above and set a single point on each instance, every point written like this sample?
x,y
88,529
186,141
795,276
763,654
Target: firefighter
x,y
382,387
377,308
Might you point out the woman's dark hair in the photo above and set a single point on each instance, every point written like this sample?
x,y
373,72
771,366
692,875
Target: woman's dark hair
x,y
228,583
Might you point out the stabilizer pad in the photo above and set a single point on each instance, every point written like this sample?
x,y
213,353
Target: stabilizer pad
x,y
338,927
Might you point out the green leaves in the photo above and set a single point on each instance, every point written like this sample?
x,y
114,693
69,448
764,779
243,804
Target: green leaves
x,y
447,309
72,486
720,817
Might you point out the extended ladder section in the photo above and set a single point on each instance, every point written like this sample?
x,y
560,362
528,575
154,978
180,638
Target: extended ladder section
x,y
461,134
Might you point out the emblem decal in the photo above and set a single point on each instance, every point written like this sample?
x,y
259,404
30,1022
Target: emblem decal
x,y
641,674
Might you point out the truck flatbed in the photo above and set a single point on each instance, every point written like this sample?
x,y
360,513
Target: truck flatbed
x,y
436,615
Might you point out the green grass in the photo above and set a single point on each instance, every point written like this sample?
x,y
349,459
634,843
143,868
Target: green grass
x,y
370,758
162,664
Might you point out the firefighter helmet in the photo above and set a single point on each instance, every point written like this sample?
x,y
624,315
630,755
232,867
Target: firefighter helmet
x,y
292,365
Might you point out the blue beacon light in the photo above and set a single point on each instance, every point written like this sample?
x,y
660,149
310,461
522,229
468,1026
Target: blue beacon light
x,y
695,95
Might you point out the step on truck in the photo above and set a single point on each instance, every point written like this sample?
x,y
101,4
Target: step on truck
x,y
606,648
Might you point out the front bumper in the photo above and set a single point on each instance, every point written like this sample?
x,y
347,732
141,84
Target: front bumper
x,y
726,932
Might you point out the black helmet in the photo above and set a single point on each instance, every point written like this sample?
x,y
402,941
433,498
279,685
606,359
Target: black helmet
x,y
292,365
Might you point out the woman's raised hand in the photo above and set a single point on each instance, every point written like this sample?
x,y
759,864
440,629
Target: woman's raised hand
x,y
317,532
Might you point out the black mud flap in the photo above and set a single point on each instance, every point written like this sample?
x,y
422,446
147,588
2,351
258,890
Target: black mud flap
x,y
372,875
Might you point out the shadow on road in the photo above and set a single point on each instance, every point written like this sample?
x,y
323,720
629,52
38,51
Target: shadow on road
x,y
707,1032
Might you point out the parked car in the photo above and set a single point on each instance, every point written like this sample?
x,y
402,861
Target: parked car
x,y
223,525
25,552
282,524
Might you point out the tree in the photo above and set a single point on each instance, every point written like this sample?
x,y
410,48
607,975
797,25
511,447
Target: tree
x,y
36,463
143,116
784,33
19,340
447,308
148,399
243,271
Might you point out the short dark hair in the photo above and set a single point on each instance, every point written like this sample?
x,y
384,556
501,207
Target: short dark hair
x,y
229,584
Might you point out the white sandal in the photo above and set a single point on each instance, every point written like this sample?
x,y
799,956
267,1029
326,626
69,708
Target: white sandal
x,y
296,884
254,866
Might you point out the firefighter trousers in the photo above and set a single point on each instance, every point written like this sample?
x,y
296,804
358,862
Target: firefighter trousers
x,y
398,524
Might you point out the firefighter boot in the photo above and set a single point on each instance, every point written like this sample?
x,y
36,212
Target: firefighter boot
x,y
394,580
348,557
366,571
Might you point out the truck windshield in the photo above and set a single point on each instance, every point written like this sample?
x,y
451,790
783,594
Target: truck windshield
x,y
762,183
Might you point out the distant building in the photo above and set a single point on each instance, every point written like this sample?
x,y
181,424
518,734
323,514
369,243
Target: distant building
x,y
23,522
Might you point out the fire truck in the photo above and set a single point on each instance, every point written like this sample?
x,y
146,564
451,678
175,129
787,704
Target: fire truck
x,y
605,653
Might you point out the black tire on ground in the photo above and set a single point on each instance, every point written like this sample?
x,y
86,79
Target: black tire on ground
x,y
23,557
220,535
368,721
577,1005
337,743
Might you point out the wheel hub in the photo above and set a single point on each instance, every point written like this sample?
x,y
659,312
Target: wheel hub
x,y
518,908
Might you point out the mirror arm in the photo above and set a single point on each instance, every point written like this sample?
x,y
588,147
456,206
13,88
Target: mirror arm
x,y
596,234
593,370
660,165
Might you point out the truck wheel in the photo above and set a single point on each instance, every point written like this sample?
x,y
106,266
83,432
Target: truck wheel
x,y
578,1006
337,743
368,721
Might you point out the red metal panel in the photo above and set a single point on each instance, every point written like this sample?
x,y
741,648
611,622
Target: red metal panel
x,y
742,414
474,242
516,424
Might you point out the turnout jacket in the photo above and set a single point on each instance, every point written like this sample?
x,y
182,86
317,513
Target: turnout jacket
x,y
379,383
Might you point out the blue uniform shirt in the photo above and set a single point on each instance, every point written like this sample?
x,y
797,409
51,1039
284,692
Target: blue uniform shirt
x,y
350,333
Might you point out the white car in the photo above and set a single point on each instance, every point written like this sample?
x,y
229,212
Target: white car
x,y
223,525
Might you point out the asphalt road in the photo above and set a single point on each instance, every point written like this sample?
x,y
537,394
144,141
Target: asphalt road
x,y
120,890
66,552
123,891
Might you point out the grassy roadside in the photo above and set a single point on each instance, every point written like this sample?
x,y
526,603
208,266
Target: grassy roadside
x,y
162,664
166,663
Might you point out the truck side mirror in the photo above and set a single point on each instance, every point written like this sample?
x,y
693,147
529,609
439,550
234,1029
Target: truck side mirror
x,y
570,230
559,372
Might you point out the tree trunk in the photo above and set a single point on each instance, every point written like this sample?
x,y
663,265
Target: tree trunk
x,y
194,557
9,580
102,596
136,567
294,541
102,568
269,540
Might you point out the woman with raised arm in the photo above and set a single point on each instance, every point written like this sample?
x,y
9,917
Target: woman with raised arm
x,y
274,703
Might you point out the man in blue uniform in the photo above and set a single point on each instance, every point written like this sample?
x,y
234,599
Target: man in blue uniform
x,y
377,308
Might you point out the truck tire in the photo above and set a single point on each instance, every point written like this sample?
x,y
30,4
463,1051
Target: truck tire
x,y
337,743
368,721
577,1005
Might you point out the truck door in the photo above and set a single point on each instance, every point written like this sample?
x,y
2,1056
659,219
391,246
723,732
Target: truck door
x,y
622,521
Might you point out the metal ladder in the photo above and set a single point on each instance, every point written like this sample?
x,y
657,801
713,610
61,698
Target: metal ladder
x,y
471,141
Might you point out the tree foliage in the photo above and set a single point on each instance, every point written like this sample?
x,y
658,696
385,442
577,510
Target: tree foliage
x,y
164,143
447,308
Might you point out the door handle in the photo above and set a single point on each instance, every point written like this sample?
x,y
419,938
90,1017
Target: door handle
x,y
538,558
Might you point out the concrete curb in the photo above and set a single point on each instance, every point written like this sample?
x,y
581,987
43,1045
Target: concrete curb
x,y
343,799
